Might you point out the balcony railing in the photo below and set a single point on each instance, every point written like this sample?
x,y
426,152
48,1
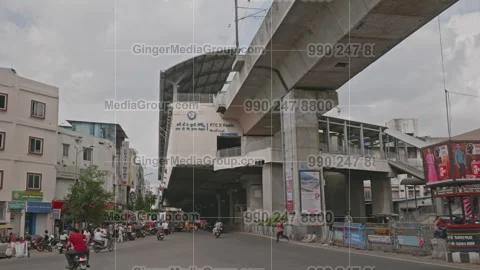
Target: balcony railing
x,y
190,97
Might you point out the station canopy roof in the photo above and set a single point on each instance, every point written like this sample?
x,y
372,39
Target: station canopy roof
x,y
202,74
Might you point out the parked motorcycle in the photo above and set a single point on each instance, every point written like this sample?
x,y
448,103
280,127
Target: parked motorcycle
x,y
39,244
129,236
160,235
139,233
152,231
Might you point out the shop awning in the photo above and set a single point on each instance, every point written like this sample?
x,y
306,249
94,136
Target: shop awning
x,y
5,226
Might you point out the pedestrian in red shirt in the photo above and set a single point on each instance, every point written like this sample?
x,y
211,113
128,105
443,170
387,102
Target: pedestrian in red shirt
x,y
77,241
280,230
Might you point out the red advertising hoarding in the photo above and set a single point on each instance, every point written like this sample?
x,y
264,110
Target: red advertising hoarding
x,y
452,160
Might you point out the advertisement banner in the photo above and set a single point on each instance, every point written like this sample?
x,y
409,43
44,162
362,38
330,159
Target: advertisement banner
x,y
452,160
436,162
466,160
354,235
310,192
289,192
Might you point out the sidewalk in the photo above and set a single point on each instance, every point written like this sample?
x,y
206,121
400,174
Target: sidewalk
x,y
375,253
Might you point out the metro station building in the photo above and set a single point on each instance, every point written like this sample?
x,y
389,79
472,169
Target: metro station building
x,y
211,166
274,158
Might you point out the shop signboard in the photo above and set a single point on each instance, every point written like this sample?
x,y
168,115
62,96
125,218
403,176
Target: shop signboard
x,y
16,205
310,192
38,207
19,195
57,213
463,237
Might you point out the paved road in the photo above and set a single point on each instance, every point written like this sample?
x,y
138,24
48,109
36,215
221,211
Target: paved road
x,y
233,251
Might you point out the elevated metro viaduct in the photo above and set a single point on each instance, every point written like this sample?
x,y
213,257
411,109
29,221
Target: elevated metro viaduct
x,y
281,143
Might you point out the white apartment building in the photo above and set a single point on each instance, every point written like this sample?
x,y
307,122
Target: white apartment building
x,y
76,152
28,152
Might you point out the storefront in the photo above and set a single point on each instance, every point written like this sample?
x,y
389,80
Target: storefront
x,y
28,214
37,217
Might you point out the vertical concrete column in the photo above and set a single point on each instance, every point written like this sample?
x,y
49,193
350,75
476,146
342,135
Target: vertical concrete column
x,y
219,205
356,196
362,140
300,139
22,223
334,189
381,195
253,190
273,188
231,208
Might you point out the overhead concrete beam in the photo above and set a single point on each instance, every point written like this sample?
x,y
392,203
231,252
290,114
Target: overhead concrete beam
x,y
288,30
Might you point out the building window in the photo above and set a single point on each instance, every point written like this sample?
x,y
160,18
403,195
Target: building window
x,y
35,146
3,211
38,109
3,102
2,140
66,147
34,181
1,179
87,154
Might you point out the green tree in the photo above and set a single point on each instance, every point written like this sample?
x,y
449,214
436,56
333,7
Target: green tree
x,y
87,199
149,201
139,202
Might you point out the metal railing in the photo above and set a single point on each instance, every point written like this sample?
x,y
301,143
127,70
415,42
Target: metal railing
x,y
191,97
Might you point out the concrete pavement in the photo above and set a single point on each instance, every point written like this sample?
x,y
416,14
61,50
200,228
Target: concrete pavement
x,y
232,251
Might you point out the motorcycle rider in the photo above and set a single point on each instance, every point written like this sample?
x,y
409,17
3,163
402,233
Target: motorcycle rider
x,y
218,226
165,227
100,237
77,241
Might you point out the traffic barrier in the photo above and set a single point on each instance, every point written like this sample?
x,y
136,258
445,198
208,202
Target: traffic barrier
x,y
379,237
349,235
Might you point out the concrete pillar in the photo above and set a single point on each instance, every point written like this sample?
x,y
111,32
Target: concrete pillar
x,y
300,140
231,209
273,188
219,205
335,186
22,223
381,195
253,190
329,143
362,141
380,140
356,201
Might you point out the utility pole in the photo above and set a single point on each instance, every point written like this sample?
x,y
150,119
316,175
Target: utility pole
x,y
237,45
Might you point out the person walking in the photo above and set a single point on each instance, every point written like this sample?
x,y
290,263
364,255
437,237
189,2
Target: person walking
x,y
120,233
280,231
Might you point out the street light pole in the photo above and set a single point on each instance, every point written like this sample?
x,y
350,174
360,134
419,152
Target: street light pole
x,y
237,45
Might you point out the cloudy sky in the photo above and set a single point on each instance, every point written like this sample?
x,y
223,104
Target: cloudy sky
x,y
84,48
